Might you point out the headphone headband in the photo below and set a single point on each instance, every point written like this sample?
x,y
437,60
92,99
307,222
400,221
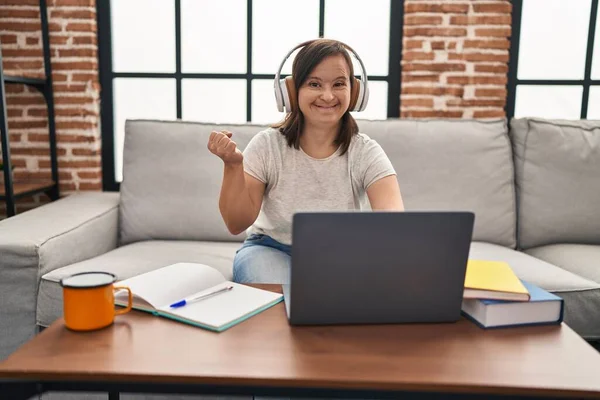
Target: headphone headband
x,y
363,77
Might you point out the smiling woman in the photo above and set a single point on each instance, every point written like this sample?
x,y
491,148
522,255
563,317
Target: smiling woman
x,y
314,160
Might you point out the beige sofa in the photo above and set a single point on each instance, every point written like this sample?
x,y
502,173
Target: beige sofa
x,y
535,190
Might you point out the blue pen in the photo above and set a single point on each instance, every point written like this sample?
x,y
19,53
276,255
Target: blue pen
x,y
204,296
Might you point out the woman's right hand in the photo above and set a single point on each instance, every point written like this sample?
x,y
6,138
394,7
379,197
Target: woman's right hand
x,y
220,144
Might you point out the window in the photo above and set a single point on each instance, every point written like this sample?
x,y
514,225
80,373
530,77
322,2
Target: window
x,y
554,70
216,61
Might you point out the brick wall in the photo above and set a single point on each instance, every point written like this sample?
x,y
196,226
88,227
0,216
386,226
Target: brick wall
x,y
455,63
72,25
455,58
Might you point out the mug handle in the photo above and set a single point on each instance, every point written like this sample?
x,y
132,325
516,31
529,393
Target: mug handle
x,y
129,301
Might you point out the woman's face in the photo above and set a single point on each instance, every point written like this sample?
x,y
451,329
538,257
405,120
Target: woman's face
x,y
324,96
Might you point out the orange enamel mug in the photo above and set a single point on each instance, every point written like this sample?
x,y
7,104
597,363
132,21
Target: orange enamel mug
x,y
88,300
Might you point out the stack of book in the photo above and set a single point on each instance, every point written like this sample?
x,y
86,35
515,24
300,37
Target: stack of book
x,y
494,297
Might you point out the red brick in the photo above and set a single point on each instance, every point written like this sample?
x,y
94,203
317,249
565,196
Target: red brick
x,y
476,80
431,114
423,20
27,124
68,138
34,3
71,164
20,13
74,65
409,44
56,40
32,41
77,53
492,32
8,38
74,3
69,88
84,77
433,90
29,100
89,175
70,125
417,55
20,65
80,27
73,14
478,57
438,45
436,8
420,31
79,100
15,89
480,20
86,152
501,44
8,26
495,7
476,102
434,67
494,68
22,53
84,40
418,102
496,113
14,113
420,78
486,92
30,151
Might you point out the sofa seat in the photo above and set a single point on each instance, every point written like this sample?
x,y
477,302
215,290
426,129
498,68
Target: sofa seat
x,y
131,260
580,259
580,293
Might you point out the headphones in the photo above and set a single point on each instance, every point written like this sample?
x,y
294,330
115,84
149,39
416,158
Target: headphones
x,y
285,89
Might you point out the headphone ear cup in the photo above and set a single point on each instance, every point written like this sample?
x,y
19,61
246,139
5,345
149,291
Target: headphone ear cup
x,y
279,95
292,96
355,92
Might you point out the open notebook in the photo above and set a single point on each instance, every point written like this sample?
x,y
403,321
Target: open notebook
x,y
157,290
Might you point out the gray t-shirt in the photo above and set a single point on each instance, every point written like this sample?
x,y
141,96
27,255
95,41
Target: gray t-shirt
x,y
297,182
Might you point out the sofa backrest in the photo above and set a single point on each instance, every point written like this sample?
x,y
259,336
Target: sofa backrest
x,y
558,181
171,182
454,165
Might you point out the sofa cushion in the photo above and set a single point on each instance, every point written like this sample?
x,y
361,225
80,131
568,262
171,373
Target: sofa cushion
x,y
171,182
132,260
580,259
454,165
581,295
558,181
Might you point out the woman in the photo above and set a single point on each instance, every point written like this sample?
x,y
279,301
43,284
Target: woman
x,y
315,160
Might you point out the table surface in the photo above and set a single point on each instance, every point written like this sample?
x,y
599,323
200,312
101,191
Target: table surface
x,y
265,351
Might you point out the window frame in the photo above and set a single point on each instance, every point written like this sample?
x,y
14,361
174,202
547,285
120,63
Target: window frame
x,y
513,65
107,75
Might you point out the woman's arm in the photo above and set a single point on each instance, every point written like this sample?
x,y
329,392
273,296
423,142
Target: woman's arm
x,y
384,194
241,194
241,198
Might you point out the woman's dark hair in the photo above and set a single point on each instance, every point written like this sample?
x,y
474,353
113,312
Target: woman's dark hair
x,y
305,62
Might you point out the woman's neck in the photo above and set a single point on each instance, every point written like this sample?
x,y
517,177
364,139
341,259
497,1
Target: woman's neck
x,y
318,142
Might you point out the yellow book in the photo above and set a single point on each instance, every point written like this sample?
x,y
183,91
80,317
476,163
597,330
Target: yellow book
x,y
493,280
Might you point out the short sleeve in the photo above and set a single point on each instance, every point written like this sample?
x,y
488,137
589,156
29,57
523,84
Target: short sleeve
x,y
255,157
374,164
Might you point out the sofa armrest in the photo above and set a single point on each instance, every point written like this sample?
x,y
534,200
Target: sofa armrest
x,y
71,229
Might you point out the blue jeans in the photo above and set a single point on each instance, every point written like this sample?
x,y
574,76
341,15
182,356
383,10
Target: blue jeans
x,y
262,259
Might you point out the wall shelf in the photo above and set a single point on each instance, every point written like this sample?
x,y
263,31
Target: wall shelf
x,y
12,189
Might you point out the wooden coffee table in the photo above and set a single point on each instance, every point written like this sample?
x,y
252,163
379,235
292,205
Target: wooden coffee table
x,y
266,356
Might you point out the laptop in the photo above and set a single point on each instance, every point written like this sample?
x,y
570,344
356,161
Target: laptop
x,y
377,267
